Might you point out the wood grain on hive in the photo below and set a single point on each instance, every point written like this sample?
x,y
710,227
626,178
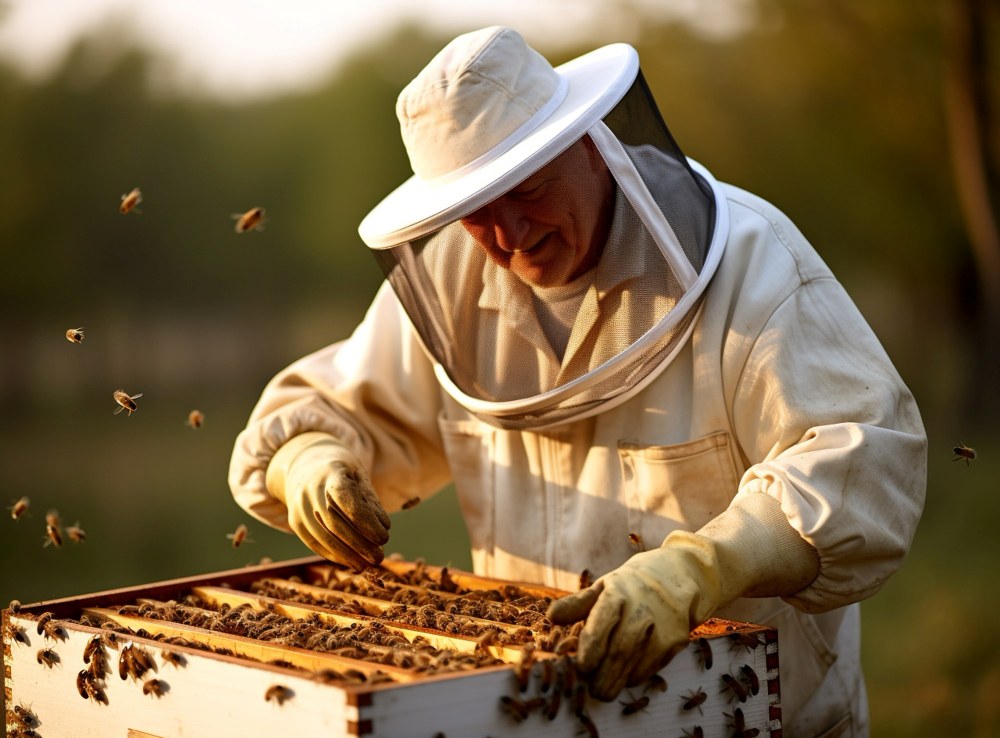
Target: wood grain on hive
x,y
450,680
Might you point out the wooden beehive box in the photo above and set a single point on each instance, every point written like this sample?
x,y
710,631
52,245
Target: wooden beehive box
x,y
222,682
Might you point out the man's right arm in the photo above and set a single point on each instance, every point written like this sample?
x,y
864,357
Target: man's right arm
x,y
375,392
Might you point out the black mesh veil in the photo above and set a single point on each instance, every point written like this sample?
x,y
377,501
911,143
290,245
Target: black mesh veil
x,y
574,287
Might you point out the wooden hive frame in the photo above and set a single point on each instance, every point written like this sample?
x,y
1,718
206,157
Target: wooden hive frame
x,y
214,693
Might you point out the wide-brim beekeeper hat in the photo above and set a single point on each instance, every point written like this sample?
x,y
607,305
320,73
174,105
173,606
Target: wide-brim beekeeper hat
x,y
485,115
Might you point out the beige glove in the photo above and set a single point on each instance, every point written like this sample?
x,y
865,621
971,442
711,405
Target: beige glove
x,y
641,613
331,504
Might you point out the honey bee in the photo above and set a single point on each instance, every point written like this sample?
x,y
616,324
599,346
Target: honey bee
x,y
586,579
15,606
174,659
250,220
696,732
52,536
744,640
751,676
630,708
19,508
516,709
705,652
91,649
130,200
657,683
578,700
523,669
81,684
52,518
635,539
964,452
43,620
47,657
16,633
566,644
240,536
125,401
552,708
95,692
735,688
154,688
195,419
25,716
278,693
76,534
54,631
694,699
74,335
548,674
411,503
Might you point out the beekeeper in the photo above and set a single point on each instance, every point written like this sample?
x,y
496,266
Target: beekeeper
x,y
624,366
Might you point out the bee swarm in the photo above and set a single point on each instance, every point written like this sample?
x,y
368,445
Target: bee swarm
x,y
395,650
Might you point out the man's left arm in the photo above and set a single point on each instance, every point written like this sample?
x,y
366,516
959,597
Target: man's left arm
x,y
822,519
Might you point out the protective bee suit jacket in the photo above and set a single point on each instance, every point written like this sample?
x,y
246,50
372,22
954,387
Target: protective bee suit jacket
x,y
781,389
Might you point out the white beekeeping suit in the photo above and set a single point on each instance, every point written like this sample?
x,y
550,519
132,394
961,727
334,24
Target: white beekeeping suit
x,y
711,389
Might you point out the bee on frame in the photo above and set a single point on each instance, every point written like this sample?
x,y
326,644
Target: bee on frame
x,y
130,200
964,452
126,401
251,220
74,335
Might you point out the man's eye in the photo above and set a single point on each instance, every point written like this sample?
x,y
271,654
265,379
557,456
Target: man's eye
x,y
531,193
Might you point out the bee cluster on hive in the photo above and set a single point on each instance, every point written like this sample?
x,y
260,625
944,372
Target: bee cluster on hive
x,y
393,627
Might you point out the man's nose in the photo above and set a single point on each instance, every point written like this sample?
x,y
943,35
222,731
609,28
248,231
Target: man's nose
x,y
509,227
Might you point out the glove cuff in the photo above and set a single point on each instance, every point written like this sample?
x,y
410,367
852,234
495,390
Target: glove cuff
x,y
760,554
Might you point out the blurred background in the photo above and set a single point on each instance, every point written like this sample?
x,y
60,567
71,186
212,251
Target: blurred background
x,y
871,124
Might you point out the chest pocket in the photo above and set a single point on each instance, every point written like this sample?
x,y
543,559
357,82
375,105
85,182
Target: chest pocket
x,y
677,487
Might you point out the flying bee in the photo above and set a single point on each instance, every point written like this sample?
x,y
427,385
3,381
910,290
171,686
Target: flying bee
x,y
75,533
74,335
635,539
705,652
278,693
52,536
195,419
47,656
19,508
15,606
735,688
154,688
250,220
52,518
964,452
657,683
411,503
125,401
240,536
130,200
630,708
515,708
694,699
751,676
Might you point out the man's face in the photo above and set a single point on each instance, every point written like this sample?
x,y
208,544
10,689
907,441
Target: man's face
x,y
552,227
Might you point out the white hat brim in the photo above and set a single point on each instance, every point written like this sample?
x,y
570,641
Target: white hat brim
x,y
596,83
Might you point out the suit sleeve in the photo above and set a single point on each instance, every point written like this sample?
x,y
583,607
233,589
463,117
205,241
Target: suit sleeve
x,y
376,392
834,435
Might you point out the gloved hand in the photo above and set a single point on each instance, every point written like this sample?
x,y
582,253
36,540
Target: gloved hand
x,y
640,615
331,504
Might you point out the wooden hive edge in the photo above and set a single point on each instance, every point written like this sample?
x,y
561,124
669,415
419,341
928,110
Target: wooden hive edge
x,y
169,589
